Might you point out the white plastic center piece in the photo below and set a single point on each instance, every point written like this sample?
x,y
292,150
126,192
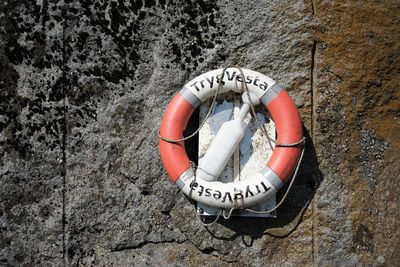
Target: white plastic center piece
x,y
232,148
225,142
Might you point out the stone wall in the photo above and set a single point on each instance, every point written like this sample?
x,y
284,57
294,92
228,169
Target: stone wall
x,y
83,88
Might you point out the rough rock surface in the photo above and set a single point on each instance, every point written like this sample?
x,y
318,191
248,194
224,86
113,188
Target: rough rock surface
x,y
83,87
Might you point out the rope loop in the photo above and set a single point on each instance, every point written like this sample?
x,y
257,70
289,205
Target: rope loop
x,y
211,223
227,217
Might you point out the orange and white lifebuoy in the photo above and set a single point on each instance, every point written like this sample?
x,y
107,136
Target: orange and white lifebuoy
x,y
262,185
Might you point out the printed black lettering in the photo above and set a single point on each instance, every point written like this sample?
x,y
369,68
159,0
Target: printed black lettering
x,y
193,185
248,192
265,187
227,194
233,75
201,190
207,192
195,86
219,79
238,195
211,82
239,78
258,189
264,86
249,79
202,83
217,194
255,82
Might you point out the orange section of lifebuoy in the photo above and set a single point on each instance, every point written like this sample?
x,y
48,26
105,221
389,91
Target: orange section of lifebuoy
x,y
289,129
173,155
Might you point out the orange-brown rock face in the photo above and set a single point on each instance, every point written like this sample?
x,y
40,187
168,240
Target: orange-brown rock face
x,y
356,132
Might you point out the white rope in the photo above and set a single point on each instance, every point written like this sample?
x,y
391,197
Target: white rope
x,y
226,217
287,191
221,211
253,111
211,223
210,110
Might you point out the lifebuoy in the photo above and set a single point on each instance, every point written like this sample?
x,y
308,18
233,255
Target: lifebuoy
x,y
243,193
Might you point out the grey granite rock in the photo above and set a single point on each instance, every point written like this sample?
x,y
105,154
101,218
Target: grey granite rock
x,y
84,85
32,126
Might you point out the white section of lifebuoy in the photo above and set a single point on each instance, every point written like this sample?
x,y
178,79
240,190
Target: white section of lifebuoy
x,y
204,86
239,194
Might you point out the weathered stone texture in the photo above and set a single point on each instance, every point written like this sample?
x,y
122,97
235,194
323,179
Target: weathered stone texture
x,y
356,132
31,134
83,88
